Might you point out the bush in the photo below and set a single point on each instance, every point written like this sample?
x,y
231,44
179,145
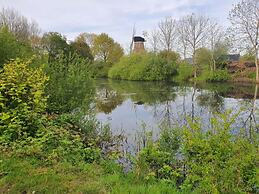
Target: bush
x,y
148,67
218,76
100,69
185,72
22,99
70,85
214,160
219,161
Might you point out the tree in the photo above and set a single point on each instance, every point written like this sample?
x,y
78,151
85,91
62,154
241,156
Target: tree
x,y
181,38
18,24
88,38
10,48
221,49
215,37
54,43
106,49
167,33
244,18
203,58
194,30
82,48
153,40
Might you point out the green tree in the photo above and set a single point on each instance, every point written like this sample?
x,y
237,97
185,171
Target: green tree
x,y
55,43
10,48
82,48
203,58
221,49
106,49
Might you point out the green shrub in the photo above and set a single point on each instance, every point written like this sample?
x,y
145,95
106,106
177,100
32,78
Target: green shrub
x,y
148,67
70,85
212,160
22,99
185,72
100,69
218,76
217,160
169,55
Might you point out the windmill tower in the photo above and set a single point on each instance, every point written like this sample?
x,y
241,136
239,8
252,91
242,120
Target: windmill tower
x,y
137,43
139,46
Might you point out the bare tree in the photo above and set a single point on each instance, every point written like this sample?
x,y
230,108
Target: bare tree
x,y
183,44
152,39
216,36
167,33
18,24
244,18
194,32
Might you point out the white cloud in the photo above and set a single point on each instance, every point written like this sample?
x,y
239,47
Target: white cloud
x,y
115,17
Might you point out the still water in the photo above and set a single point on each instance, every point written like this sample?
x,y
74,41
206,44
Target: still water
x,y
133,107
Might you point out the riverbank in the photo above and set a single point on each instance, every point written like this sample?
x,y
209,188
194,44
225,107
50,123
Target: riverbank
x,y
31,175
216,161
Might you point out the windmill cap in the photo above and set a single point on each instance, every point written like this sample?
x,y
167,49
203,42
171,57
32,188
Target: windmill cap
x,y
139,39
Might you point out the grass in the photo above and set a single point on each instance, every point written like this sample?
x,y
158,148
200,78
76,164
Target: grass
x,y
30,175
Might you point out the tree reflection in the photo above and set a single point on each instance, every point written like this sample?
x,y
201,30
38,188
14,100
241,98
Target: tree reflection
x,y
251,121
211,100
171,104
107,100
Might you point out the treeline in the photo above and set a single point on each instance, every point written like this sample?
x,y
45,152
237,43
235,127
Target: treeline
x,y
23,39
203,43
200,43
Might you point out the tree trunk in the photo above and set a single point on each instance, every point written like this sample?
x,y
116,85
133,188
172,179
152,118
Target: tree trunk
x,y
184,52
194,65
256,65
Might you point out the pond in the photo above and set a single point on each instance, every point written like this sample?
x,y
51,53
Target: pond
x,y
133,108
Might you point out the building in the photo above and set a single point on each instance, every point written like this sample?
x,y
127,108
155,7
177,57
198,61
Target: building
x,y
231,58
139,46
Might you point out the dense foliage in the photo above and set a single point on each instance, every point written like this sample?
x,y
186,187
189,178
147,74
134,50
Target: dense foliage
x,y
146,67
11,48
70,86
218,76
211,161
22,99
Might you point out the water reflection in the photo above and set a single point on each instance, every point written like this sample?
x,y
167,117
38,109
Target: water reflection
x,y
127,105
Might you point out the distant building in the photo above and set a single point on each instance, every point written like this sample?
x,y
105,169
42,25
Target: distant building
x,y
232,58
227,58
139,46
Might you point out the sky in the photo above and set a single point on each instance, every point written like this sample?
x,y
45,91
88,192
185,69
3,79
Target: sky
x,y
115,17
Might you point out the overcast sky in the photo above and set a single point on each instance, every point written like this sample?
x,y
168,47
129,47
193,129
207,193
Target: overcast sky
x,y
115,17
